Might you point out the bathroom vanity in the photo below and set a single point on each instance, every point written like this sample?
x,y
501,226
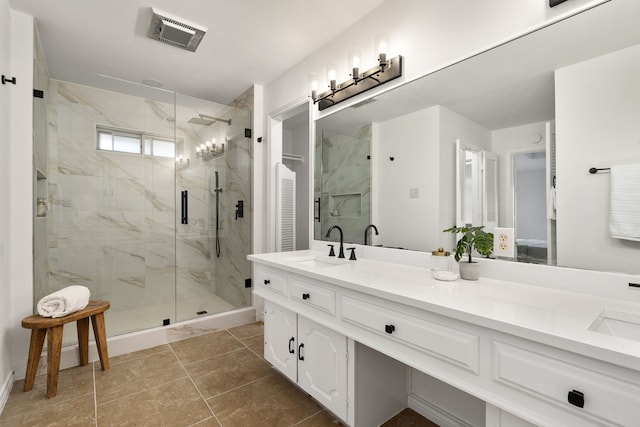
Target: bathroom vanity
x,y
351,333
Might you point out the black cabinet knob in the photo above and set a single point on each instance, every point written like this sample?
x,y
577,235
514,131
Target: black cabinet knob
x,y
576,398
389,329
267,281
300,354
306,296
291,341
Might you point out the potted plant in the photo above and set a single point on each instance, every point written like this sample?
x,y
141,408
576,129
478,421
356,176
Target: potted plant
x,y
472,238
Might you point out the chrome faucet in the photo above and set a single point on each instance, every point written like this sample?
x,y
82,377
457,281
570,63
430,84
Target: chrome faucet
x,y
366,232
341,254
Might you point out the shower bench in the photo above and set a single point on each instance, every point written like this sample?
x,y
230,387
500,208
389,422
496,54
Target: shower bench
x,y
52,327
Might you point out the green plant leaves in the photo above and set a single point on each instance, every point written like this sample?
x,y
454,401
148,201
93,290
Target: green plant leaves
x,y
472,238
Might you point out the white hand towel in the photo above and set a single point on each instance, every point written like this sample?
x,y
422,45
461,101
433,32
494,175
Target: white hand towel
x,y
63,302
624,208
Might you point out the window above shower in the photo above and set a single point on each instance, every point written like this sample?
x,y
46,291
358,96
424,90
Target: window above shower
x,y
132,142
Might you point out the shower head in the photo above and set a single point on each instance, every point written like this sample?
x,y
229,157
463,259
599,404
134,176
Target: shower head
x,y
205,120
201,121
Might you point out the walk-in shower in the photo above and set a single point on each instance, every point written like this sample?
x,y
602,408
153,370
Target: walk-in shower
x,y
122,169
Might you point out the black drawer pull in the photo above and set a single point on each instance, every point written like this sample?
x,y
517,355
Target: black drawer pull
x,y
267,281
389,329
300,355
292,351
576,398
305,296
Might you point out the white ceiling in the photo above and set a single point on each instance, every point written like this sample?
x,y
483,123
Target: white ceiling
x,y
247,42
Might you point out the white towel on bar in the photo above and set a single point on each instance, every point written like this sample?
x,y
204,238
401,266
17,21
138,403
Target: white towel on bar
x,y
65,301
624,208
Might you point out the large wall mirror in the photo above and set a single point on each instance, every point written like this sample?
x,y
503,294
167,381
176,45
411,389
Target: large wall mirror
x,y
505,138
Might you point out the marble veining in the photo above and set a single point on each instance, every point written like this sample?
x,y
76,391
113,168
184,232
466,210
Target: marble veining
x,y
344,184
113,224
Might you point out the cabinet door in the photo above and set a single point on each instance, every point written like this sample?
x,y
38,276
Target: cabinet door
x,y
280,332
322,365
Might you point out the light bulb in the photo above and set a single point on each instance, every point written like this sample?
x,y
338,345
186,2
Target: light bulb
x,y
382,48
354,60
332,72
313,86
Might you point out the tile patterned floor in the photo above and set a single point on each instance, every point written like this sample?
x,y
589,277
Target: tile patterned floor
x,y
214,380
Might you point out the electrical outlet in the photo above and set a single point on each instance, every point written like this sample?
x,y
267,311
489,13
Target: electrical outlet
x,y
413,193
503,244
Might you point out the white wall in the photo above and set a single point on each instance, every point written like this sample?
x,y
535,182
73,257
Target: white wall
x,y
16,219
423,147
412,141
5,208
597,114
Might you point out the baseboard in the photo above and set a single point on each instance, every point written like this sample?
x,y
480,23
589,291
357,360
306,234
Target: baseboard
x,y
140,340
5,390
435,413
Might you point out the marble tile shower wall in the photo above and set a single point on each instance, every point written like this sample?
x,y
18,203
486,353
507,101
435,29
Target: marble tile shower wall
x,y
113,223
345,182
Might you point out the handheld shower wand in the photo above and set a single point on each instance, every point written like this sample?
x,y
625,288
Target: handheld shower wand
x,y
217,191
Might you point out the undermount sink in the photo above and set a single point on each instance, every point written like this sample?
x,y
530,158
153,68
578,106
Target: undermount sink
x,y
318,261
617,323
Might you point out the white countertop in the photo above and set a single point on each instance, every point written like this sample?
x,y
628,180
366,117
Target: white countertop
x,y
554,317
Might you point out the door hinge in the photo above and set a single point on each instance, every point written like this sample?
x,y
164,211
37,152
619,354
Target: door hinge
x,y
247,283
38,93
247,133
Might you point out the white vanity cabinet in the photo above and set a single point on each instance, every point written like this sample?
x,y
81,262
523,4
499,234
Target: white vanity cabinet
x,y
348,339
309,354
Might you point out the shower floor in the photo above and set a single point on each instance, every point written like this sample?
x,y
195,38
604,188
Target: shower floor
x,y
122,321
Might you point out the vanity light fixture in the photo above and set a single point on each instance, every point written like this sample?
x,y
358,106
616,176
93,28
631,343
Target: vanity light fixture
x,y
385,71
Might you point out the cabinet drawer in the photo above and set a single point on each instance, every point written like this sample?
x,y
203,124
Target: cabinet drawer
x,y
451,345
607,400
270,279
313,295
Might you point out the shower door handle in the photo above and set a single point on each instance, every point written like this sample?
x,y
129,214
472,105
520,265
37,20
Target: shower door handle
x,y
185,207
240,209
318,202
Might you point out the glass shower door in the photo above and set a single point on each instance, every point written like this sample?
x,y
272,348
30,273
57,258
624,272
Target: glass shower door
x,y
213,224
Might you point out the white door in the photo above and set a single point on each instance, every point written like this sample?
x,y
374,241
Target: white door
x,y
322,365
489,190
280,332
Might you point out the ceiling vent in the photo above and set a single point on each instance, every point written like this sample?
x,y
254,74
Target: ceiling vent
x,y
175,31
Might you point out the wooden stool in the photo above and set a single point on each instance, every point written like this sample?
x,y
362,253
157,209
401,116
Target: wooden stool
x,y
41,326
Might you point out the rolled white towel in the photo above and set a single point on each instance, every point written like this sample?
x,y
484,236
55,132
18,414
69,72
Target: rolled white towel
x,y
65,301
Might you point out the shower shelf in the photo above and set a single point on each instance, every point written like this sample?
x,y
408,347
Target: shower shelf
x,y
41,194
346,205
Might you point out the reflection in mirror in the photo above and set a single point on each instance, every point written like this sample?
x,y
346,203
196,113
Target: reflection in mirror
x,y
343,182
565,96
476,187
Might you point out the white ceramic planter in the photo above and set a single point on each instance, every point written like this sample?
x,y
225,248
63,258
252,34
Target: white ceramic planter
x,y
469,270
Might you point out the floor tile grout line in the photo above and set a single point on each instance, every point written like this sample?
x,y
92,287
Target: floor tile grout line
x,y
141,391
243,385
197,388
212,357
308,418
